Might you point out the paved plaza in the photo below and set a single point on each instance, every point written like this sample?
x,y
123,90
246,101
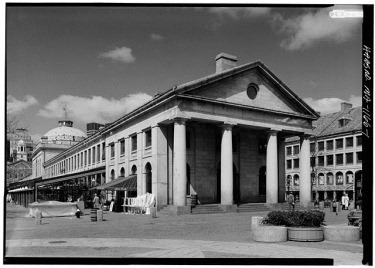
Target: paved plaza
x,y
140,236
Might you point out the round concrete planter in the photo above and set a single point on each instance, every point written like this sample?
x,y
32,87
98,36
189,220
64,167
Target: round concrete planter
x,y
265,233
305,234
341,233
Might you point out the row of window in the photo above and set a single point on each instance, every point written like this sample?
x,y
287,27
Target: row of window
x,y
327,145
324,179
133,143
327,160
80,160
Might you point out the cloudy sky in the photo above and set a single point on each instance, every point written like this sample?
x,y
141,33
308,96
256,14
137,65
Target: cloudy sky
x,y
102,62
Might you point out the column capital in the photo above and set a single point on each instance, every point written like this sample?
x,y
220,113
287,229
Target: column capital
x,y
305,136
180,120
272,132
228,125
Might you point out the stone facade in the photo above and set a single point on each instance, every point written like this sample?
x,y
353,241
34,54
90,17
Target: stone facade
x,y
219,137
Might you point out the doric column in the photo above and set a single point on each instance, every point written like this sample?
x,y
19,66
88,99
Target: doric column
x,y
272,168
226,166
304,166
179,162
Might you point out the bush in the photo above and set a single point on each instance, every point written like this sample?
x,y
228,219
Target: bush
x,y
306,218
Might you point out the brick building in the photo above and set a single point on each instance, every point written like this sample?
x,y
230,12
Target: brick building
x,y
336,156
220,137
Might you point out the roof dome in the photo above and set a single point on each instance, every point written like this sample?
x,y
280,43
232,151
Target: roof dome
x,y
65,131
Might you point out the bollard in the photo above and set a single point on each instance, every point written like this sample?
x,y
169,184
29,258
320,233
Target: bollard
x,y
38,217
153,212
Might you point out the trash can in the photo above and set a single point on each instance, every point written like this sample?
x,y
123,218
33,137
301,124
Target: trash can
x,y
99,214
38,217
93,214
153,212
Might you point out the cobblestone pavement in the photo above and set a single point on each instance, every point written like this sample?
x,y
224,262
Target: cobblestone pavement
x,y
140,236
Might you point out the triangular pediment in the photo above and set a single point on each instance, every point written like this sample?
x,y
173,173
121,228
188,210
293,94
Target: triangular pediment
x,y
238,88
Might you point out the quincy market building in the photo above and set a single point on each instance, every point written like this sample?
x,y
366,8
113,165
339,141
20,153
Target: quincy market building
x,y
221,137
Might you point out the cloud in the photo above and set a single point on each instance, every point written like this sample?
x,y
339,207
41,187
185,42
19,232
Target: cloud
x,y
123,54
309,29
240,12
156,37
92,109
16,106
331,105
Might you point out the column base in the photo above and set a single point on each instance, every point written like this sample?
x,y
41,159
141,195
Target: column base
x,y
179,210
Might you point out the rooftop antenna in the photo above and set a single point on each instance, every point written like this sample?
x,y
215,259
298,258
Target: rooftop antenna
x,y
65,112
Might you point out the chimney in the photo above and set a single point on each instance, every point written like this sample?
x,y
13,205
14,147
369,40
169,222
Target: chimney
x,y
225,62
346,106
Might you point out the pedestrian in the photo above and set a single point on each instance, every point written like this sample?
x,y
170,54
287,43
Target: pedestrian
x,y
359,202
346,201
290,200
96,201
334,206
343,202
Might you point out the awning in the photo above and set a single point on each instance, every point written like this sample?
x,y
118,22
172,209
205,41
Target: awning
x,y
120,184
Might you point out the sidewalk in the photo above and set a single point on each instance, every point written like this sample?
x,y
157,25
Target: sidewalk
x,y
140,236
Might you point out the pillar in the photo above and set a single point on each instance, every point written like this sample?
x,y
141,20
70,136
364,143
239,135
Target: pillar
x,y
305,178
226,166
179,163
272,168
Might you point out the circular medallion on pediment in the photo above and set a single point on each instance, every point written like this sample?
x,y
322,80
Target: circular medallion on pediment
x,y
252,90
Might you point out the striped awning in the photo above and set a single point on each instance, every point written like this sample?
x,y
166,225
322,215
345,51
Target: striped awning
x,y
120,184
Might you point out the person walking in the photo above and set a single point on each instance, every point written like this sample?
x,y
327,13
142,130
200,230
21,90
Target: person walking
x,y
343,202
346,201
96,201
290,200
334,206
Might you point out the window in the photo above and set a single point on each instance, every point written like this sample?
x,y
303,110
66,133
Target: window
x,y
359,140
134,143
112,149
93,154
98,152
122,147
103,151
330,178
85,158
339,178
321,146
339,144
312,147
89,156
312,161
295,150
359,157
81,159
349,158
75,162
349,142
343,122
289,164
296,180
339,159
262,146
289,150
252,90
330,145
349,177
330,160
321,161
295,163
148,138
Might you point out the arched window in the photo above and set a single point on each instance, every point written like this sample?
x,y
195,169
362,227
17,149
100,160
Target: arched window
x,y
134,169
187,179
112,175
321,178
122,172
339,178
329,178
262,180
296,180
148,178
349,177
